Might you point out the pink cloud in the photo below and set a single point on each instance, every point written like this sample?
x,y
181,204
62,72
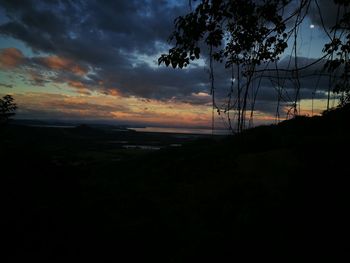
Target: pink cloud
x,y
10,58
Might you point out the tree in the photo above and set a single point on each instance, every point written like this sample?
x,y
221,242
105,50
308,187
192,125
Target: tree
x,y
245,34
7,108
339,49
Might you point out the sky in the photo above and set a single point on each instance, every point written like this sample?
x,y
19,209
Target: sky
x,y
97,60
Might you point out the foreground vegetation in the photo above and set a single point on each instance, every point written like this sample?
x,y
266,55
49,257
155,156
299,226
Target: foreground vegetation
x,y
67,197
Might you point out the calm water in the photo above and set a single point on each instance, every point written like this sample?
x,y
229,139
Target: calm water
x,y
151,129
182,130
52,126
142,147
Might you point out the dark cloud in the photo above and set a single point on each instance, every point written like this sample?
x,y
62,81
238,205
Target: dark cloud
x,y
312,77
57,26
162,83
105,36
15,5
313,82
327,12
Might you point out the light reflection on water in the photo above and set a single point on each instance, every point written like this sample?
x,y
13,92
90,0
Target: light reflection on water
x,y
181,130
142,147
52,126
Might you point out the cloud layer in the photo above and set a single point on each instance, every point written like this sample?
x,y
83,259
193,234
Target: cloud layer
x,y
111,47
105,37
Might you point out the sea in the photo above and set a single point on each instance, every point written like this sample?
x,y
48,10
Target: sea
x,y
182,130
195,131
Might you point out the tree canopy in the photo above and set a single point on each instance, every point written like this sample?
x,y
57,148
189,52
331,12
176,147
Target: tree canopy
x,y
7,108
246,34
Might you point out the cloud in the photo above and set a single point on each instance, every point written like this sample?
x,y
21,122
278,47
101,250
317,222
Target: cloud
x,y
106,37
48,105
36,78
326,13
41,70
91,30
106,107
110,47
313,76
10,58
79,86
9,86
59,63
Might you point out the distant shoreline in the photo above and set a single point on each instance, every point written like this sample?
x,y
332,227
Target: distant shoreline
x,y
197,131
137,128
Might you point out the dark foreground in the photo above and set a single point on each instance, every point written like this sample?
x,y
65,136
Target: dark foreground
x,y
70,195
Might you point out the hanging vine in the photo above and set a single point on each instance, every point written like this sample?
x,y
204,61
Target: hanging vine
x,y
244,35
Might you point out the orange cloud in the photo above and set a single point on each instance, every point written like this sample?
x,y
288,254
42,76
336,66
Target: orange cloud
x,y
36,77
59,63
108,107
112,92
101,106
58,106
79,86
76,84
10,58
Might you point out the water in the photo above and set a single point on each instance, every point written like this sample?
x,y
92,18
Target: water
x,y
182,130
52,126
151,129
142,147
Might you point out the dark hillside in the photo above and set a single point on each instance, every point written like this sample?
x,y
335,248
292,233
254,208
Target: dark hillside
x,y
269,187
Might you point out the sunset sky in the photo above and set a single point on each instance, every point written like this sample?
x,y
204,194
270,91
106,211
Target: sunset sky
x,y
97,60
